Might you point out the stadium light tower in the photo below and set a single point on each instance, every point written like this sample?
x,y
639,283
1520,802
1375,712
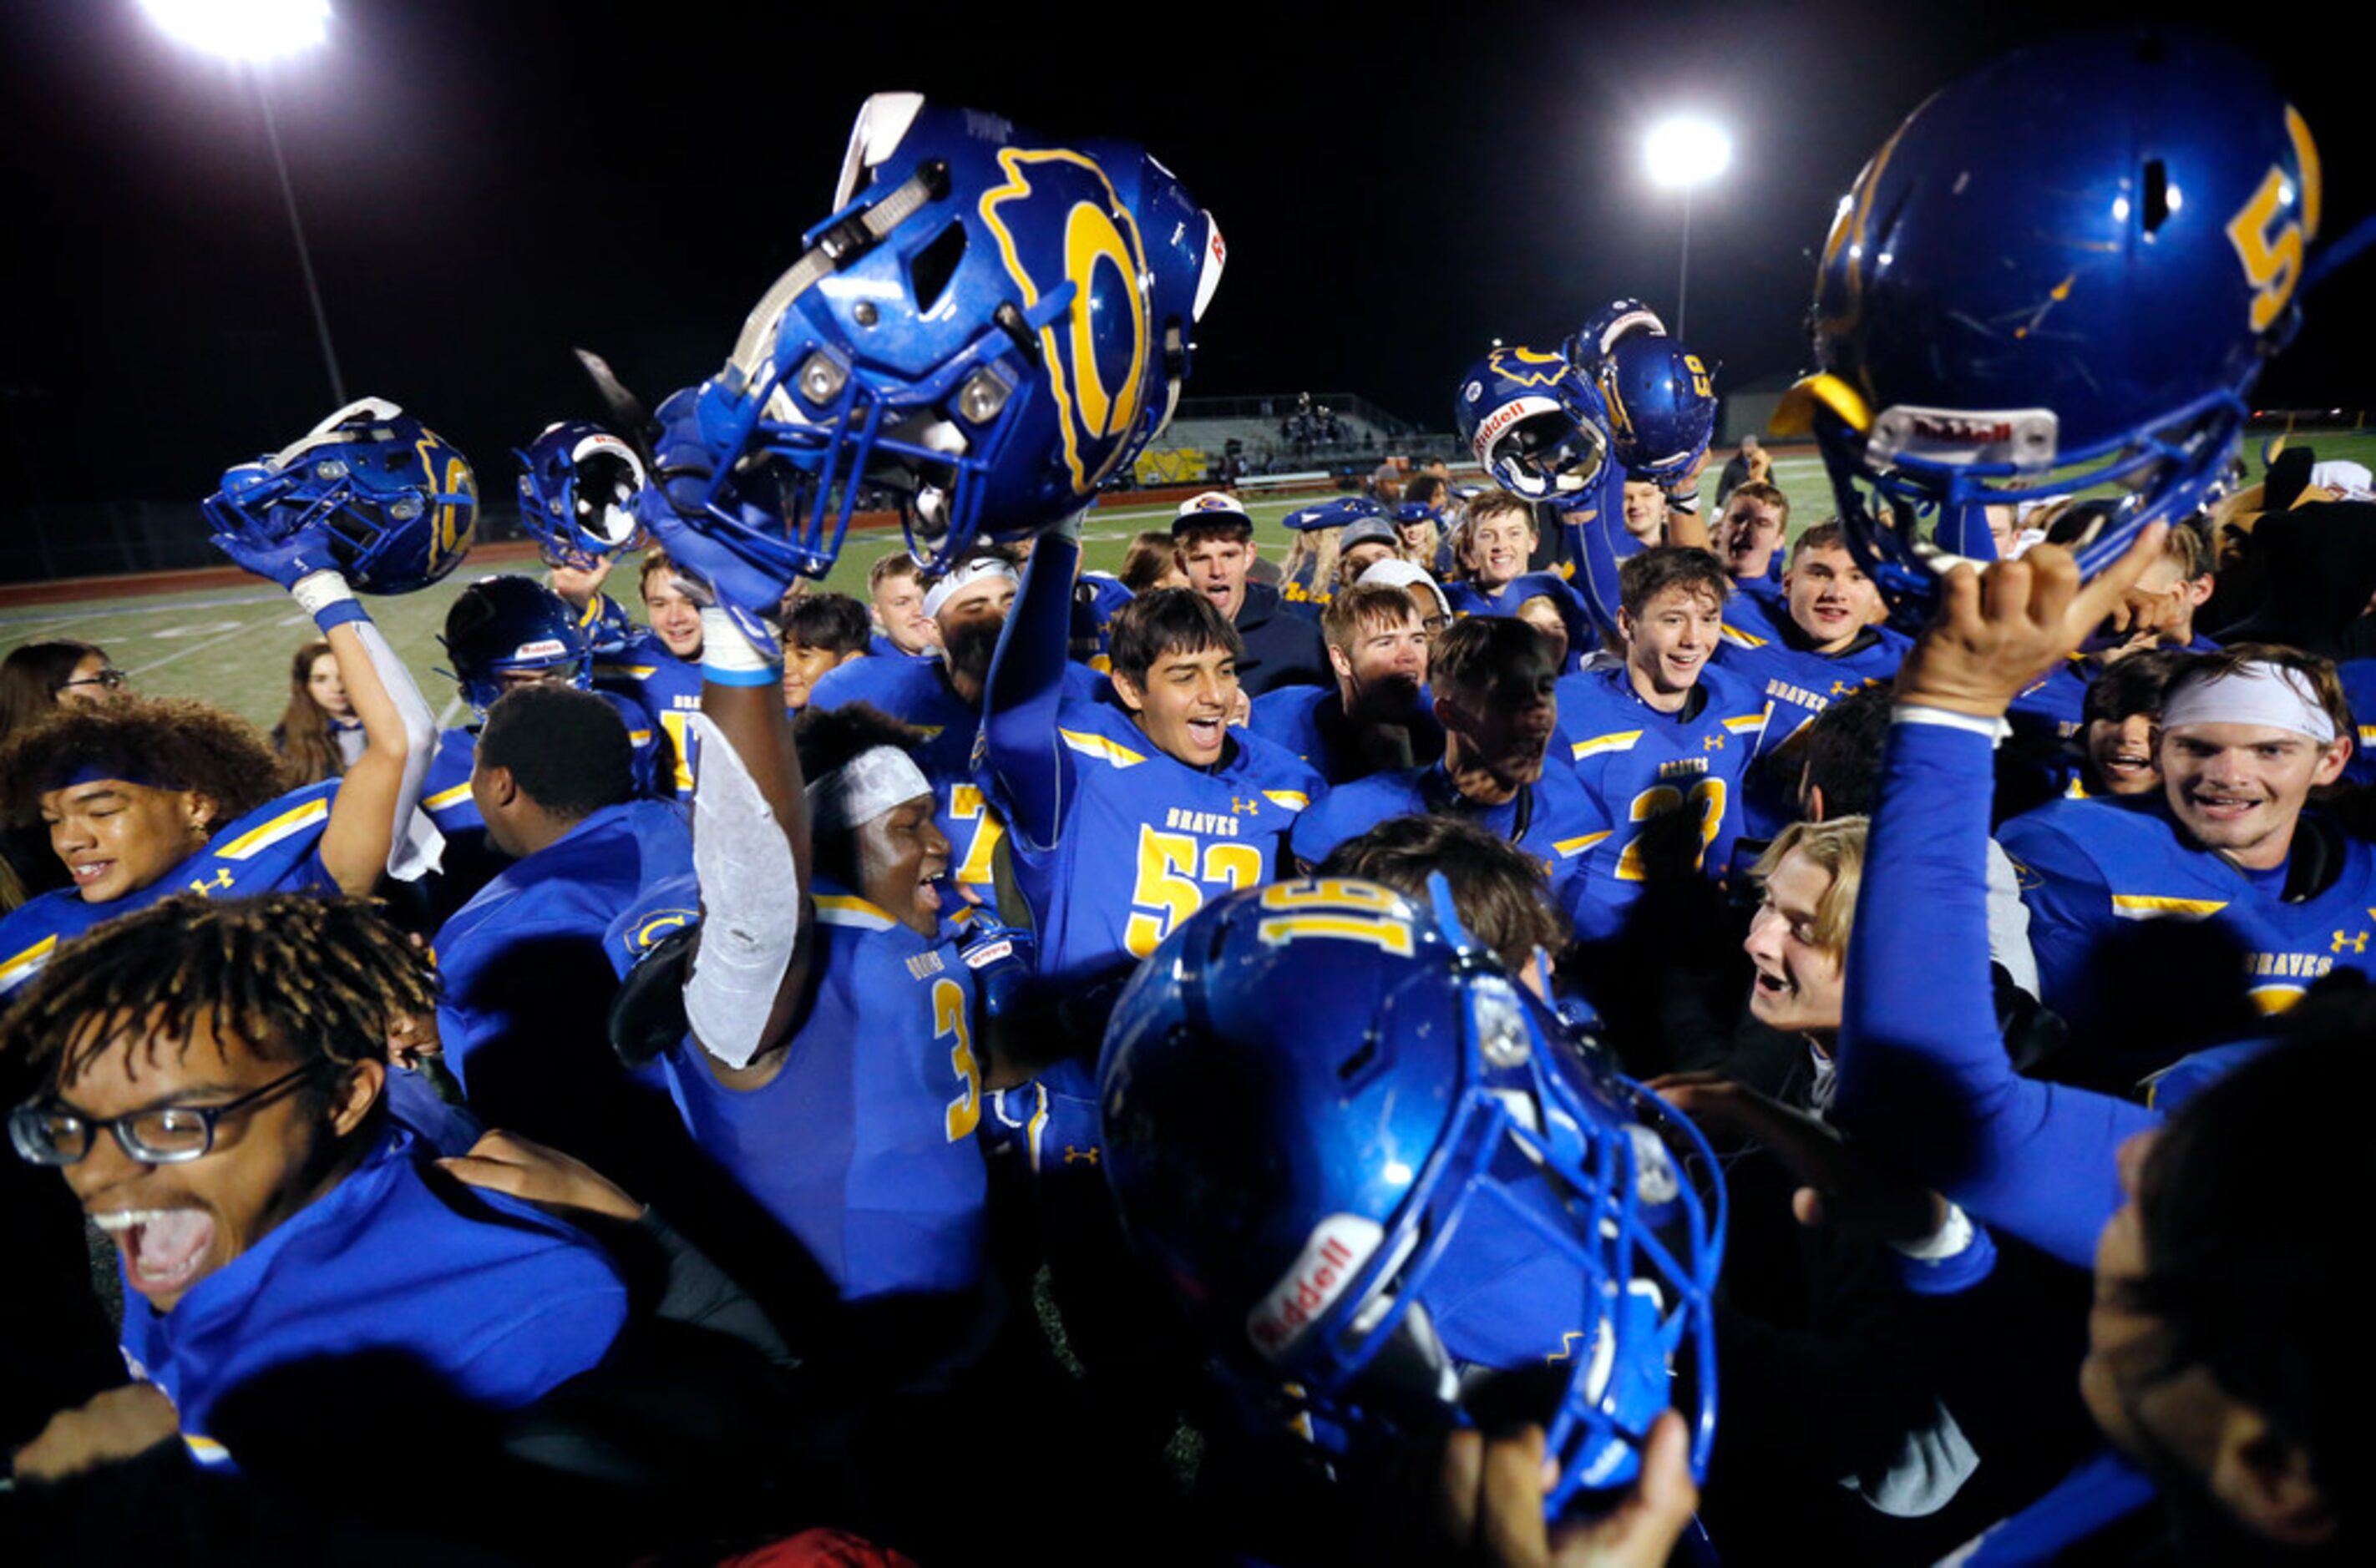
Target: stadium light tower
x,y
1686,154
247,33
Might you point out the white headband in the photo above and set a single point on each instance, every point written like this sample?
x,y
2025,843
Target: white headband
x,y
876,780
938,596
2258,692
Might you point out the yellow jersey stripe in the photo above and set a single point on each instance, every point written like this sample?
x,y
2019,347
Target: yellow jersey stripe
x,y
2151,907
1293,800
18,969
835,908
294,820
444,798
1622,740
1571,848
1740,638
1746,723
1098,746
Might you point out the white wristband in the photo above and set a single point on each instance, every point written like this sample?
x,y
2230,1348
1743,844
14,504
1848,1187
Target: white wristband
x,y
729,650
1955,1234
1995,730
316,591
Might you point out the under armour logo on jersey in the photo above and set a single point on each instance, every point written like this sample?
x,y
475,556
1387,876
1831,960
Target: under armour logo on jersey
x,y
2356,943
1251,808
1072,1153
1711,743
1841,688
221,879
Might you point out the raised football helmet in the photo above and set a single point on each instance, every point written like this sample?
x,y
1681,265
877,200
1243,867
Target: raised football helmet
x,y
1396,1192
2066,270
990,326
1534,422
395,506
1333,513
512,624
1661,402
1612,323
577,490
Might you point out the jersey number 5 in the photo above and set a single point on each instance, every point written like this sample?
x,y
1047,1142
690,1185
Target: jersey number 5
x,y
1173,883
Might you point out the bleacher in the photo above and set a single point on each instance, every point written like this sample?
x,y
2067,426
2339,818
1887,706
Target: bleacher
x,y
1284,434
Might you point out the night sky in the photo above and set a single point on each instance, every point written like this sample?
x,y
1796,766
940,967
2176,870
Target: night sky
x,y
487,183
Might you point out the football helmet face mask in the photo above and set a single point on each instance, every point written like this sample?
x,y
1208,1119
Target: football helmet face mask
x,y
1612,323
1534,422
512,625
2064,272
990,326
1370,1166
1661,402
577,489
397,505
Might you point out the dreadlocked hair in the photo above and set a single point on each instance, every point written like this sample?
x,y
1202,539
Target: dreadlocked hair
x,y
294,977
174,742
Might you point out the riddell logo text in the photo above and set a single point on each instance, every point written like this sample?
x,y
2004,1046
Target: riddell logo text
x,y
1504,417
1338,1247
1961,433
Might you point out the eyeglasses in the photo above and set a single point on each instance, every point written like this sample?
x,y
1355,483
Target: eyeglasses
x,y
163,1134
111,677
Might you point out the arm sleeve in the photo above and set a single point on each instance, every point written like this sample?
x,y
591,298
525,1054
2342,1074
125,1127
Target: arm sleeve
x,y
1026,758
2067,897
1923,1073
417,846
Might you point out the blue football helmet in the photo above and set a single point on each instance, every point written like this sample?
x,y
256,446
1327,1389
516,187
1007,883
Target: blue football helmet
x,y
988,327
1333,513
1396,1192
577,491
1534,422
396,504
2064,272
1661,402
513,625
1614,322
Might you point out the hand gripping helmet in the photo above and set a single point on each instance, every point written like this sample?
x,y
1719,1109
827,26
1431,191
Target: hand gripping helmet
x,y
1612,323
397,504
1534,422
1395,1192
2063,271
1661,402
577,490
512,624
990,324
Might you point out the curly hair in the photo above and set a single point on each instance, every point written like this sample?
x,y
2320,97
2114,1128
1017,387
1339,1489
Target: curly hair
x,y
294,976
174,742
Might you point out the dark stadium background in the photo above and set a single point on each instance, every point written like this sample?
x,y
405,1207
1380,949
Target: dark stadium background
x,y
485,186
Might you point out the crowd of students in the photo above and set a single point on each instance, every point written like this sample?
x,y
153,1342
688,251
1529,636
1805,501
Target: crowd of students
x,y
1181,1066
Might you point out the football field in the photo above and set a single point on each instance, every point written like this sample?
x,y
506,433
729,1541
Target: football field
x,y
231,645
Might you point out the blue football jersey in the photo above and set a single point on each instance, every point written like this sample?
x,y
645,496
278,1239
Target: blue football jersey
x,y
1552,819
501,1300
607,628
1639,764
2089,866
1146,840
274,849
1765,648
1310,723
2360,690
863,1145
1098,597
665,687
543,909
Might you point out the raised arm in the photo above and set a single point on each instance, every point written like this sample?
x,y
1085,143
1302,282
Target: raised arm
x,y
1026,758
1923,1073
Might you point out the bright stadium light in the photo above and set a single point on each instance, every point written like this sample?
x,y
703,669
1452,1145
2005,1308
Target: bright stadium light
x,y
244,30
248,32
1684,154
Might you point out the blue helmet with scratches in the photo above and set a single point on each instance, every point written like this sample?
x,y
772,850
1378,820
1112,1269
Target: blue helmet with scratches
x,y
397,505
989,326
1534,422
2064,272
512,625
577,489
1395,1192
1612,323
1661,403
